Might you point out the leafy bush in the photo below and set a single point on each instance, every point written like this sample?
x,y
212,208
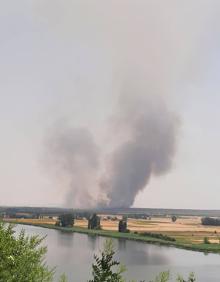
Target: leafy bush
x,y
174,218
22,257
94,222
191,278
206,240
66,220
158,236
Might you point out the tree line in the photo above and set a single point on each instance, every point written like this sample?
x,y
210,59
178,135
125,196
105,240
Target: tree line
x,y
210,221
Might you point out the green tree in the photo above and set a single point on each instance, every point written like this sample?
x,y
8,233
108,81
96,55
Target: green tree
x,y
122,226
174,218
105,268
94,222
22,258
66,220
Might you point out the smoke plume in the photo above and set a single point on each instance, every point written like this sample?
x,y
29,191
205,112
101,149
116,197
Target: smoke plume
x,y
139,53
148,149
145,135
73,158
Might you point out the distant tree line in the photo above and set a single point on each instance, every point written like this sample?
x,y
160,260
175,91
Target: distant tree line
x,y
35,210
139,216
158,236
82,215
210,221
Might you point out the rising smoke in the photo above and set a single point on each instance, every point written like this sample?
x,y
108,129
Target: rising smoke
x,y
143,42
73,156
146,145
148,148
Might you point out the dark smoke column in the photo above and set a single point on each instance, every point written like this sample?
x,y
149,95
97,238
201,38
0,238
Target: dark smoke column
x,y
148,149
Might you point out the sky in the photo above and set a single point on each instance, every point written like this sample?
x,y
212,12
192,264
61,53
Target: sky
x,y
63,63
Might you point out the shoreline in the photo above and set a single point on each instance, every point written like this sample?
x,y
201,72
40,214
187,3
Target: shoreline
x,y
205,248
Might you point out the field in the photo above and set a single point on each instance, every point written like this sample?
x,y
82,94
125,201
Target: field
x,y
185,230
188,229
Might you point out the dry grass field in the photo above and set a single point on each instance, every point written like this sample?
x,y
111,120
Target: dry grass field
x,y
185,229
32,221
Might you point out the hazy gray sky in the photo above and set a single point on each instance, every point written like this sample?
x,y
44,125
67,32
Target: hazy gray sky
x,y
63,62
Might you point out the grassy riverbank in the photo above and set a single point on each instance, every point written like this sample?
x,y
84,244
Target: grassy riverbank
x,y
182,244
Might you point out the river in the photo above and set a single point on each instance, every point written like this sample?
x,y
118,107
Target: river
x,y
72,253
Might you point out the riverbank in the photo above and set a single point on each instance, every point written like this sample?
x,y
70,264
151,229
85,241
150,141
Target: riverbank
x,y
181,244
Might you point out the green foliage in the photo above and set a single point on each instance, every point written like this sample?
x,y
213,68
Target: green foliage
x,y
122,226
191,278
206,240
162,277
165,277
105,268
210,221
174,218
66,220
63,278
159,236
94,222
22,257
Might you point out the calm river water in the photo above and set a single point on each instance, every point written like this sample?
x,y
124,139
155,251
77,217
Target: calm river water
x,y
73,255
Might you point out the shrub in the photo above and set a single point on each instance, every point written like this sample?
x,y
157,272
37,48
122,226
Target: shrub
x,y
158,236
206,240
66,220
174,218
94,222
22,257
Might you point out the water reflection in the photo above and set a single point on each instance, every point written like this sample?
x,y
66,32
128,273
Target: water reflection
x,y
140,254
64,240
73,254
121,244
92,242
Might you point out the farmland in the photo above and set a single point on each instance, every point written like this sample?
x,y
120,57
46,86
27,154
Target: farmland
x,y
186,230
